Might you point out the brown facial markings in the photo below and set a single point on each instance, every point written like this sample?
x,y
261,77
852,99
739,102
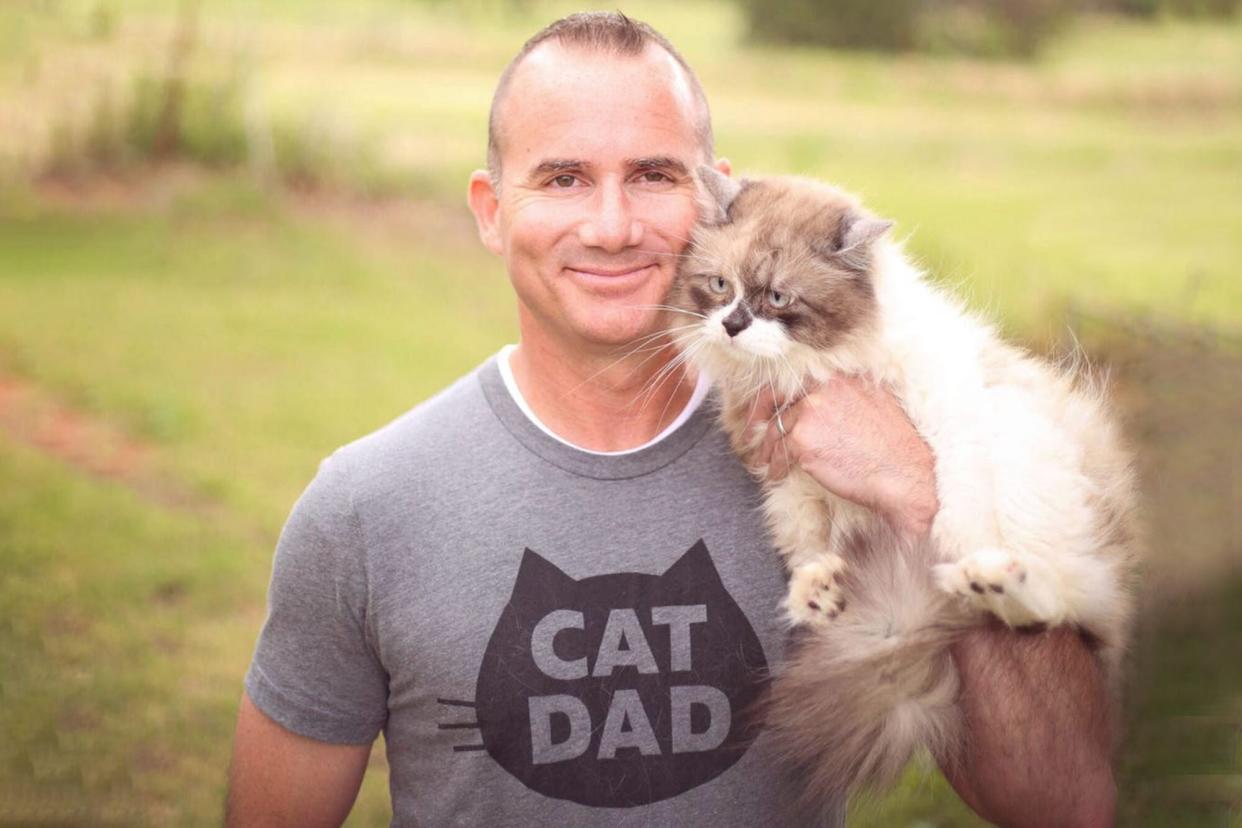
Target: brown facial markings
x,y
701,298
786,233
690,291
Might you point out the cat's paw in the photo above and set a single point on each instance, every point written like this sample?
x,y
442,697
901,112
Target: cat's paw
x,y
1018,589
816,592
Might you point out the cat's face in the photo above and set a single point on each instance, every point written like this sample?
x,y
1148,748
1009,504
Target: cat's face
x,y
776,268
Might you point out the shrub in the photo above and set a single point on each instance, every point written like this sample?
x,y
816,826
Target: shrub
x,y
1216,9
198,120
982,27
847,24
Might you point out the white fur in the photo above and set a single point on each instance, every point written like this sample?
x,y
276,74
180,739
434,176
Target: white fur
x,y
1024,458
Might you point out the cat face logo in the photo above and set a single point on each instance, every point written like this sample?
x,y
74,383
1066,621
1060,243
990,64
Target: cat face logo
x,y
619,690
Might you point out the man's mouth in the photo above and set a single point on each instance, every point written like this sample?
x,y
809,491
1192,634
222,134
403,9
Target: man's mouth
x,y
612,281
610,272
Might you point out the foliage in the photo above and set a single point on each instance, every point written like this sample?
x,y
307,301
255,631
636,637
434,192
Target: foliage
x,y
160,118
1211,9
861,24
202,119
979,27
994,28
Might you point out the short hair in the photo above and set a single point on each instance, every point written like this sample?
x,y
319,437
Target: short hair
x,y
608,32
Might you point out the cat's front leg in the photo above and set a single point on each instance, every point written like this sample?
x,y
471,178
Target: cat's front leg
x,y
1021,590
816,591
806,524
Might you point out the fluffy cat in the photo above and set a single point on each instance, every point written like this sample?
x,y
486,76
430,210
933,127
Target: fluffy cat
x,y
792,281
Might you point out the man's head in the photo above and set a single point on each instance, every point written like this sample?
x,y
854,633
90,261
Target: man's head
x,y
594,32
591,197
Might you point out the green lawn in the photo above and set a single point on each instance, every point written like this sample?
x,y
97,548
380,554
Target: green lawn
x,y
241,334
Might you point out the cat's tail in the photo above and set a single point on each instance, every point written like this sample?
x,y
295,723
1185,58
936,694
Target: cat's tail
x,y
859,696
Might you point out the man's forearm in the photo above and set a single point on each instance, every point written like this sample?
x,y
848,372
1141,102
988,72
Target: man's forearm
x,y
1039,747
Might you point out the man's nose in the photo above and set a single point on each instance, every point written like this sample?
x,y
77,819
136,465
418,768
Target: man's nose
x,y
612,224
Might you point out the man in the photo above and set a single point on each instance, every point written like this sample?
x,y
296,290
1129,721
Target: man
x,y
548,585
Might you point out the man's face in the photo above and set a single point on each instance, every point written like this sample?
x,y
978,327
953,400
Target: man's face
x,y
596,197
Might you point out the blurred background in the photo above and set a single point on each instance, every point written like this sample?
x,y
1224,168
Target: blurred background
x,y
233,236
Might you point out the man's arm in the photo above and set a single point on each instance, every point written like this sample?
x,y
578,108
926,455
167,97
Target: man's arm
x,y
278,778
1038,748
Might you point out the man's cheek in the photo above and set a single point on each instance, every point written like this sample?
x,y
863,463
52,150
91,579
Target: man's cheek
x,y
672,216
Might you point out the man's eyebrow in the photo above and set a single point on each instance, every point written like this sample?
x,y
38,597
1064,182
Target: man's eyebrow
x,y
658,162
555,165
551,166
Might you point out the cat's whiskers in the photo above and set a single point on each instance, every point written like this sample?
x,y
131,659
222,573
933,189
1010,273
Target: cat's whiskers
x,y
663,332
649,390
671,308
797,377
691,257
671,254
652,387
669,401
641,345
674,236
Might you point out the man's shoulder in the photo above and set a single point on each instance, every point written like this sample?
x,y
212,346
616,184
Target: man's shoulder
x,y
420,443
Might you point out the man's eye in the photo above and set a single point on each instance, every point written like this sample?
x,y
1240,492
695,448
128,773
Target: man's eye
x,y
564,181
655,177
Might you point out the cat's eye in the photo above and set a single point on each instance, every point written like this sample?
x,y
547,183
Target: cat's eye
x,y
717,284
779,299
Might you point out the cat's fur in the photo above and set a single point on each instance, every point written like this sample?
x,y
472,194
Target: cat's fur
x,y
1036,520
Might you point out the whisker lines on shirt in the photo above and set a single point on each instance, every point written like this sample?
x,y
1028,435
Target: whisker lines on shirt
x,y
460,725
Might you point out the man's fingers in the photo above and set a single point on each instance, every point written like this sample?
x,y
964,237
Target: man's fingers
x,y
761,409
770,416
777,445
778,466
764,453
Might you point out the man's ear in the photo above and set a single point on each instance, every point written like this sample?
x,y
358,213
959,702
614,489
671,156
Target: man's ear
x,y
724,165
485,204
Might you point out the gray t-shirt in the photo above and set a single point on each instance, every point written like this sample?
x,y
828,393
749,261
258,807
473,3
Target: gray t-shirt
x,y
546,636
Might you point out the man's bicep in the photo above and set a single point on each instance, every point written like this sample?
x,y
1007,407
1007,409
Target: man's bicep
x,y
279,778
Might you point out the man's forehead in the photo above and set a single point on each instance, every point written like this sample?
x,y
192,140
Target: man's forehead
x,y
553,67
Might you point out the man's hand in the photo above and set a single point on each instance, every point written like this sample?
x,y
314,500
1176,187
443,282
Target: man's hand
x,y
855,440
1038,746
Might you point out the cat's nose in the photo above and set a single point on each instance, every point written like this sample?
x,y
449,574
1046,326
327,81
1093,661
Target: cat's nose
x,y
737,321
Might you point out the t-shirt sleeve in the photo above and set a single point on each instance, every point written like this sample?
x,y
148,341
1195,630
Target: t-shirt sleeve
x,y
315,670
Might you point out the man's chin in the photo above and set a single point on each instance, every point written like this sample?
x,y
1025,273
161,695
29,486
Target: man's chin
x,y
628,326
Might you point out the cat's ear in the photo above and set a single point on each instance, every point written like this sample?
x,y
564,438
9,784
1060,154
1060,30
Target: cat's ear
x,y
856,231
862,230
716,194
536,574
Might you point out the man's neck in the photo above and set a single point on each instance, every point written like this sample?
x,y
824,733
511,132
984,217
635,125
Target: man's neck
x,y
605,400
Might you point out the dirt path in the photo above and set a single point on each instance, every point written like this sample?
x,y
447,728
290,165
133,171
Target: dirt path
x,y
33,416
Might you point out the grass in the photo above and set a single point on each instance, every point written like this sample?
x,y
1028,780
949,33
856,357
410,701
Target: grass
x,y
124,629
258,333
242,333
